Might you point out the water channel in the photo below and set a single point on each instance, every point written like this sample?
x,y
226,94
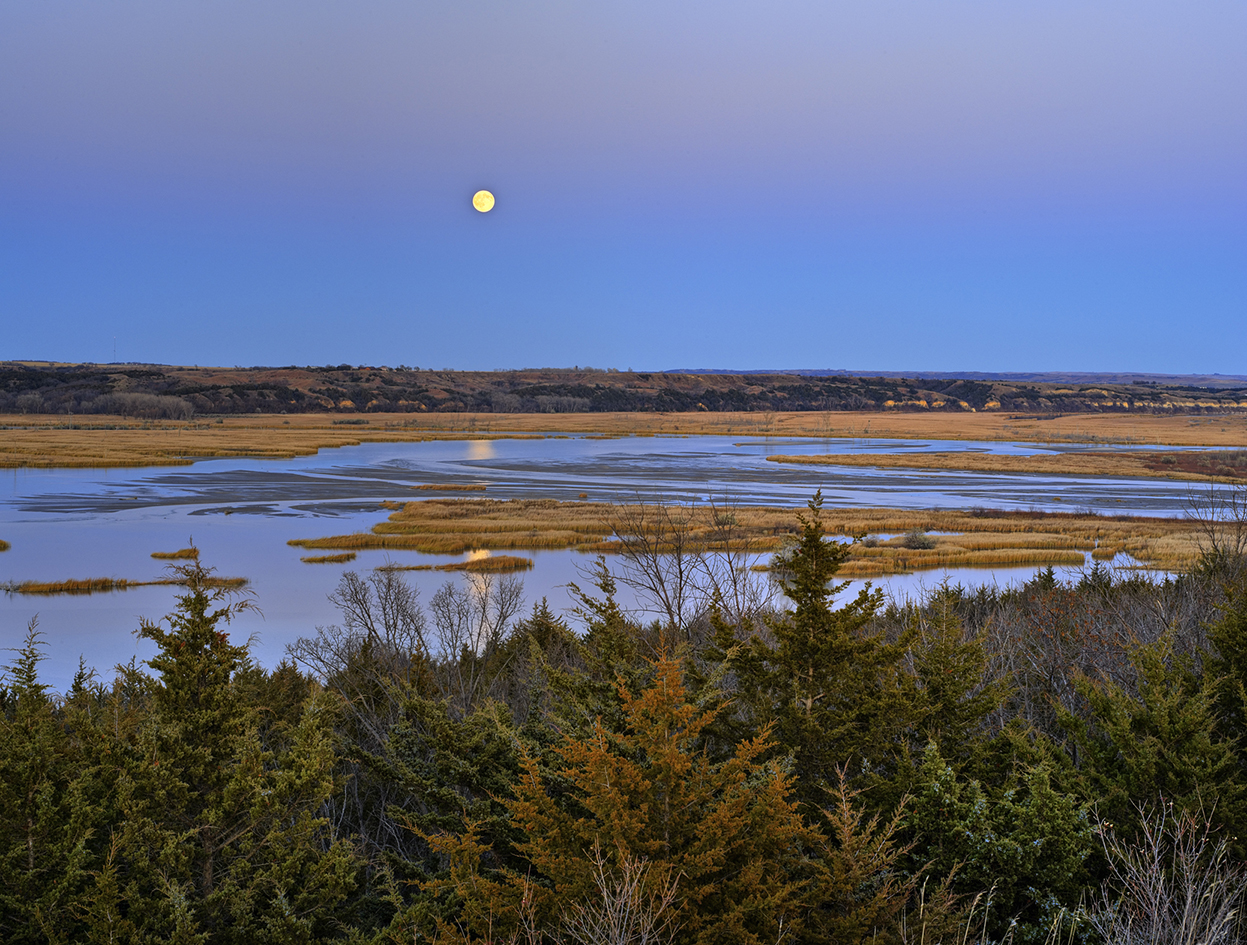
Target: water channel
x,y
79,523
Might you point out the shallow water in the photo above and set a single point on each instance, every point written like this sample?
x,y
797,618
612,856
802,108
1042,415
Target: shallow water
x,y
77,523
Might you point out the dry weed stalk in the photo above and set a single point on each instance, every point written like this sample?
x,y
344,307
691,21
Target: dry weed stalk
x,y
1176,884
634,905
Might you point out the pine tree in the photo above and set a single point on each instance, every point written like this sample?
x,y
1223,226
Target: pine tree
x,y
50,809
727,835
954,696
833,690
220,839
1022,846
1165,742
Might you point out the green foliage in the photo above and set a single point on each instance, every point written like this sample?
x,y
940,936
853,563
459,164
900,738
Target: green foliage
x,y
1025,842
1227,665
50,808
954,695
816,774
831,688
446,774
1161,742
728,834
219,837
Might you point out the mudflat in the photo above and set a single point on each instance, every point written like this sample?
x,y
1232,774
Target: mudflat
x,y
102,441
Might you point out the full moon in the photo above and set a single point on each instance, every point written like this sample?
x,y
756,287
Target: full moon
x,y
483,200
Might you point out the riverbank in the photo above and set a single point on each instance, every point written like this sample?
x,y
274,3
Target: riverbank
x,y
1190,465
43,441
892,541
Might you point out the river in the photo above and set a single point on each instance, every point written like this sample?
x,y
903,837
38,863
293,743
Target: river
x,y
78,523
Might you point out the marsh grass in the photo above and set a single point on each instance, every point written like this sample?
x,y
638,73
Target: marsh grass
x,y
492,564
965,538
451,487
106,585
1137,465
178,555
329,559
51,441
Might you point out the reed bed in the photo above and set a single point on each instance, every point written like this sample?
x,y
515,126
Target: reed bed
x,y
451,487
1141,465
967,538
329,559
180,554
101,441
493,564
106,585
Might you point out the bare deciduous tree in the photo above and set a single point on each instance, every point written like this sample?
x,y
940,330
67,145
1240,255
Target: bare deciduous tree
x,y
470,623
383,632
729,579
1221,514
661,559
679,568
372,661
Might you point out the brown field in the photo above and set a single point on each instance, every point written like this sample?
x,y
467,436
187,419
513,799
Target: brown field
x,y
1212,465
180,554
104,585
973,538
100,441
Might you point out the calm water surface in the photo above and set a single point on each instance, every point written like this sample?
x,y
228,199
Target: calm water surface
x,y
75,523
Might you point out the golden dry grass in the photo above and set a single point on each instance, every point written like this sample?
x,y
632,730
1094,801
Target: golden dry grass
x,y
492,564
970,538
120,441
180,554
104,585
329,559
1139,465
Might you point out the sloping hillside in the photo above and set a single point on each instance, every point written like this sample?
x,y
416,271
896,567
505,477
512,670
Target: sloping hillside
x,y
178,392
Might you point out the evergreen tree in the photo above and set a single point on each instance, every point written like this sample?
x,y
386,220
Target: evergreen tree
x,y
50,809
727,835
954,695
1163,742
1023,845
831,687
220,838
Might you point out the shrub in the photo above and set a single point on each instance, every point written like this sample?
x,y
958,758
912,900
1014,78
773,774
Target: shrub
x,y
918,540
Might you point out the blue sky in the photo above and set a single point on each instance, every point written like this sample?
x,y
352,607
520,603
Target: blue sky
x,y
968,185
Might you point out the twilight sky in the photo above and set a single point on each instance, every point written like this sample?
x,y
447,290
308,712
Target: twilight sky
x,y
890,184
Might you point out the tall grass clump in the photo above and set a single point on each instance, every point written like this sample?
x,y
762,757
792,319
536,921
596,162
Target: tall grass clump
x,y
72,586
179,555
103,585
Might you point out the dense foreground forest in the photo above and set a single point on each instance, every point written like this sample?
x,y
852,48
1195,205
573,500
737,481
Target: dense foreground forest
x,y
754,760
